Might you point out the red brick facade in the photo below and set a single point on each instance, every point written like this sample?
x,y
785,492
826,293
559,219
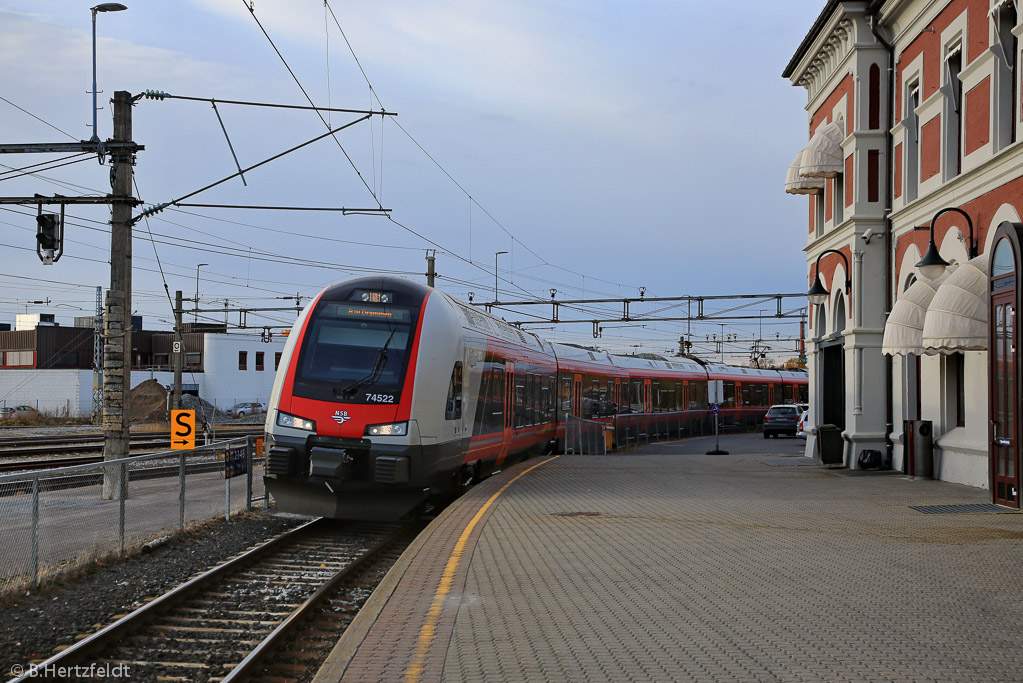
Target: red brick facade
x,y
977,131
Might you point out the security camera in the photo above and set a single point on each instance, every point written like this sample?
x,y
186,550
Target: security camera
x,y
867,234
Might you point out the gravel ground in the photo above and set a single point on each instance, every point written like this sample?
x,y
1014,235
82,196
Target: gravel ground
x,y
35,624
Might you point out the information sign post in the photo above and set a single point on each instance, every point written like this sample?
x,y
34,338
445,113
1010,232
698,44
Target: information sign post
x,y
715,409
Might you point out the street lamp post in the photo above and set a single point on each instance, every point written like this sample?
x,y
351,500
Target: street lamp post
x,y
102,7
496,254
196,314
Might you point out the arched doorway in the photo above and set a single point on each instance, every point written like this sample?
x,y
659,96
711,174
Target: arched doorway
x,y
1003,365
832,369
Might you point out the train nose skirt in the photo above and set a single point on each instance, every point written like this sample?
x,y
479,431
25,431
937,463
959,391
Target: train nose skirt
x,y
330,463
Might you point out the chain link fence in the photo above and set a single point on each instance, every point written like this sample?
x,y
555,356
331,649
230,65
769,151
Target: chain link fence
x,y
55,521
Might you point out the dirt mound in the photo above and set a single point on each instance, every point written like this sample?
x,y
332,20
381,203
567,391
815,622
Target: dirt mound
x,y
149,402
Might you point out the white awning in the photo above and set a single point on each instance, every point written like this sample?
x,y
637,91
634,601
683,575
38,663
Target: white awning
x,y
904,331
796,185
957,319
997,5
823,157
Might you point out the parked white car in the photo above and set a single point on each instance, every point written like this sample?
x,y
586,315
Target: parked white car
x,y
803,425
247,408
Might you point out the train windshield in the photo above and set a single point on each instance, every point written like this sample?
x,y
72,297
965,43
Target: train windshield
x,y
355,353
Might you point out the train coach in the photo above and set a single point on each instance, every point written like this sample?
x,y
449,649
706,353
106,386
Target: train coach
x,y
390,394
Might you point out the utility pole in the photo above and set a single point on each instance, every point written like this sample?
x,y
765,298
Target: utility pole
x,y
431,257
97,360
179,352
117,355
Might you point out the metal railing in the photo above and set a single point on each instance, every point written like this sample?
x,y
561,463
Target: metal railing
x,y
584,437
58,520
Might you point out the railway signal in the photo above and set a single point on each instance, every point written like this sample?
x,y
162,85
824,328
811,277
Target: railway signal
x,y
182,430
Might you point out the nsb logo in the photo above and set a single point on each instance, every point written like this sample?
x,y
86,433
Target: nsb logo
x,y
341,416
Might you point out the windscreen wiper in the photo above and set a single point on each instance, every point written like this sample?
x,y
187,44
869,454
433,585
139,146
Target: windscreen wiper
x,y
374,374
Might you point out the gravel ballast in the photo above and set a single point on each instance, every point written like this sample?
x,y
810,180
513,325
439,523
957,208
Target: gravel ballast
x,y
33,625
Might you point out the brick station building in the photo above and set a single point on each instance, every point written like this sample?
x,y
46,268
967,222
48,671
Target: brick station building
x,y
914,117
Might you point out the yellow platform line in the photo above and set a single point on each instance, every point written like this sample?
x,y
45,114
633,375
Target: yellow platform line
x,y
429,629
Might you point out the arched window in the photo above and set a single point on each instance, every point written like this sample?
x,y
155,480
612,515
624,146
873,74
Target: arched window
x,y
840,313
1002,263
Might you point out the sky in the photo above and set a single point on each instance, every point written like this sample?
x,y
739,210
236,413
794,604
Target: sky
x,y
606,146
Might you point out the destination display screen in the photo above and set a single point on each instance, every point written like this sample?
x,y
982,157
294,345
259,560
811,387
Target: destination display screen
x,y
399,315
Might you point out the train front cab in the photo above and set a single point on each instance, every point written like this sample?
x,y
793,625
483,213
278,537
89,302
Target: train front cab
x,y
341,441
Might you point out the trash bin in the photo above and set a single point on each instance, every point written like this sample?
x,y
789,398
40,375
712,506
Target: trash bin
x,y
918,438
830,447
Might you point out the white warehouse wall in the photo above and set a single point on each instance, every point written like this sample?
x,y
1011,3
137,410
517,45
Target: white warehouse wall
x,y
51,391
224,383
221,383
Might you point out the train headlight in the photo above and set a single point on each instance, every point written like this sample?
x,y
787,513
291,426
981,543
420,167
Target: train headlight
x,y
295,422
390,429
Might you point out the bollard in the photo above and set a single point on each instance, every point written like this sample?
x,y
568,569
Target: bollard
x,y
181,491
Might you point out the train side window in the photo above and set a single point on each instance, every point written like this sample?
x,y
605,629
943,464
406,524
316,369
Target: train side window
x,y
698,395
520,401
481,420
566,395
729,391
552,399
531,400
453,406
545,398
636,396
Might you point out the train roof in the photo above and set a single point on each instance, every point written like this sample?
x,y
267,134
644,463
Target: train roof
x,y
579,354
651,363
743,374
492,326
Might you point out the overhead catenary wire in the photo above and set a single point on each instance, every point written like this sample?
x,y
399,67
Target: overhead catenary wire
x,y
443,170
48,166
252,11
43,121
331,131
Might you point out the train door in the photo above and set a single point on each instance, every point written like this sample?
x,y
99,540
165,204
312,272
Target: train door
x,y
648,403
577,395
509,411
770,394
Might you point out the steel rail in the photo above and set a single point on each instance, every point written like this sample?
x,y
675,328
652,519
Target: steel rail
x,y
249,666
128,623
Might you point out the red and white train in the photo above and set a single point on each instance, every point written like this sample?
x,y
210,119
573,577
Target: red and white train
x,y
390,394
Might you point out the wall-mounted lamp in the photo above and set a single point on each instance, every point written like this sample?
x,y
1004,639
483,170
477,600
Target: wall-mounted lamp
x,y
818,294
932,265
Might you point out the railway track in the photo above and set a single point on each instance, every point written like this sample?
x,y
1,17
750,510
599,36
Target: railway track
x,y
273,612
21,446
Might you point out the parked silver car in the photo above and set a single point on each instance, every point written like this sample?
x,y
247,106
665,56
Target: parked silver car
x,y
247,408
804,424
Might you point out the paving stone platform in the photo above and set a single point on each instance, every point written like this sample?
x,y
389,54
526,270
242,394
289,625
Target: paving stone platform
x,y
665,564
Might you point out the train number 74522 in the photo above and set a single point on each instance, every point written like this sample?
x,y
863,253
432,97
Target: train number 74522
x,y
380,398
